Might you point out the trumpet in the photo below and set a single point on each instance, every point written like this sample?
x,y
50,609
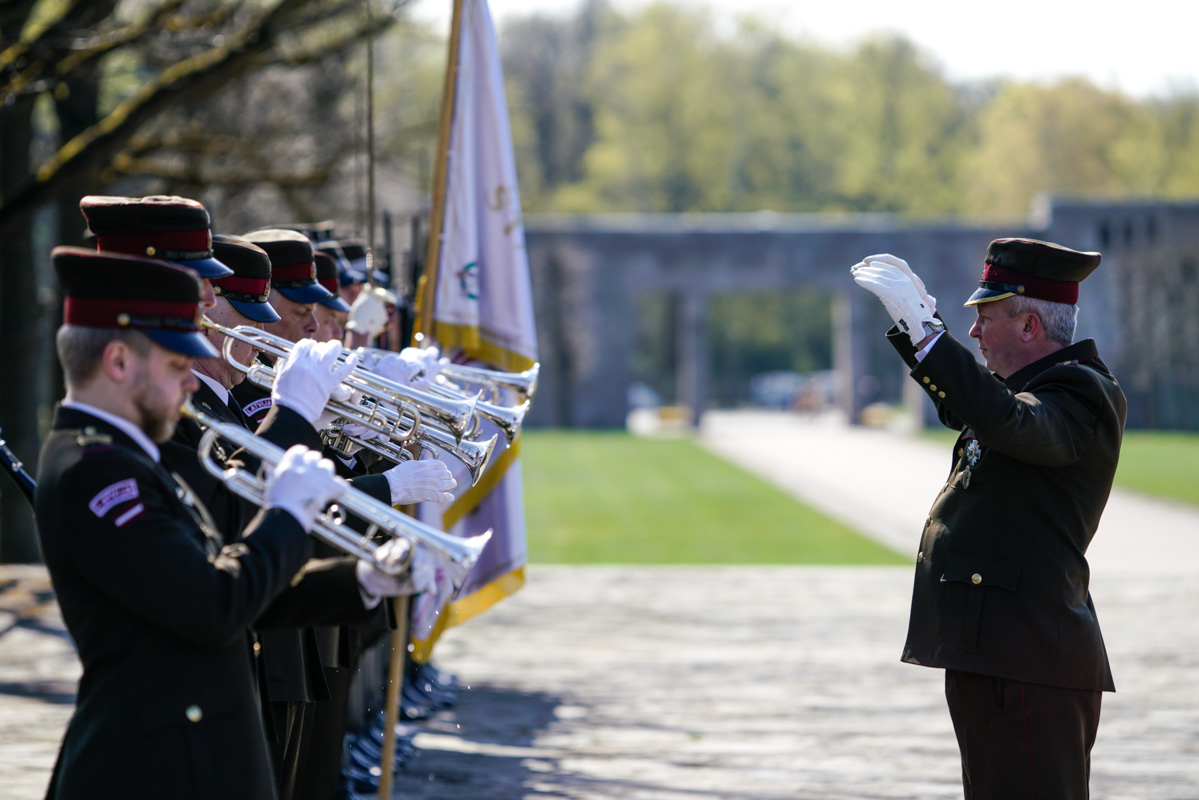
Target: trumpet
x,y
507,418
456,415
456,555
473,454
523,383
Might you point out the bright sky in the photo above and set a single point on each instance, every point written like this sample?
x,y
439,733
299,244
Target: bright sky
x,y
1145,48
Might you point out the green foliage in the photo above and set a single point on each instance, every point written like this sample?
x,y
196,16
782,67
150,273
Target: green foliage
x,y
658,111
614,498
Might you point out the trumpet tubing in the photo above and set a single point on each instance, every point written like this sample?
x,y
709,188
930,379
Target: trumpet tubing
x,y
456,555
523,383
455,414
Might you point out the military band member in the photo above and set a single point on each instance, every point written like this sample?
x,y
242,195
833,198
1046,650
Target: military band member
x,y
174,229
332,312
157,601
1001,598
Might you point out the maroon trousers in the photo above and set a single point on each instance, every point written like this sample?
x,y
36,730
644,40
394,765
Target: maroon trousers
x,y
1022,741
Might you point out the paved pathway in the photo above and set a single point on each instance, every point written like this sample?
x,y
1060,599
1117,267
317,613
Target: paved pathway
x,y
883,483
748,683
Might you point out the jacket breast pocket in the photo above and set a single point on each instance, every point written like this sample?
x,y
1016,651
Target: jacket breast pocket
x,y
979,604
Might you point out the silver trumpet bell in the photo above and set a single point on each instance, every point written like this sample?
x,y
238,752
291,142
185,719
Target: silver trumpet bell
x,y
523,383
454,554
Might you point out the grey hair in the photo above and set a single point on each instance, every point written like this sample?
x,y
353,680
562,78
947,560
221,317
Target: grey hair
x,y
80,349
1058,319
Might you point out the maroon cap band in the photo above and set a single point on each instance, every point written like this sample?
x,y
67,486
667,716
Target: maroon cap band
x,y
91,313
177,245
1032,286
328,283
258,287
293,273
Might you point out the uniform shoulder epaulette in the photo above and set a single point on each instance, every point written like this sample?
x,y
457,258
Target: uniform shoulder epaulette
x,y
90,437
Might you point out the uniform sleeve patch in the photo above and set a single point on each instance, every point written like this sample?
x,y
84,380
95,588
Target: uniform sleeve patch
x,y
257,405
115,494
132,513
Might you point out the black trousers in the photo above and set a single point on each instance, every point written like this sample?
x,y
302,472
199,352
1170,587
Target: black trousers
x,y
1022,741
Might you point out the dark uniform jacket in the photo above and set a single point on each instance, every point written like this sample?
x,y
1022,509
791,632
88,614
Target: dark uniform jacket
x,y
1001,577
158,607
291,663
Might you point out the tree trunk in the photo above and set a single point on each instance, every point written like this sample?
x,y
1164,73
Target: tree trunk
x,y
19,366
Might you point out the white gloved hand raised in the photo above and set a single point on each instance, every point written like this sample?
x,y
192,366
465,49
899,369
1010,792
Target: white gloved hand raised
x,y
899,296
368,314
421,575
308,376
302,484
427,481
895,261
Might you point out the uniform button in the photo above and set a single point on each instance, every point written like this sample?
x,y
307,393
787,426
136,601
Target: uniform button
x,y
976,579
194,713
940,394
920,557
257,648
933,388
927,379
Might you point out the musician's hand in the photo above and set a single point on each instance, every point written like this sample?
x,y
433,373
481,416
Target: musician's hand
x,y
302,484
368,315
895,261
899,296
309,375
394,367
421,575
427,357
420,482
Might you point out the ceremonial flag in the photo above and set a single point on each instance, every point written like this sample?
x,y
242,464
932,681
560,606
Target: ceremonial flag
x,y
475,299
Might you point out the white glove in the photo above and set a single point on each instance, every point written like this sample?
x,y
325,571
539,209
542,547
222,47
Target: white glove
x,y
428,605
368,315
302,484
421,575
428,357
341,393
899,295
420,482
398,369
308,376
362,433
894,261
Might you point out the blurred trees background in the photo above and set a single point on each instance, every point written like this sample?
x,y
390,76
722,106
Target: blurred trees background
x,y
662,111
257,107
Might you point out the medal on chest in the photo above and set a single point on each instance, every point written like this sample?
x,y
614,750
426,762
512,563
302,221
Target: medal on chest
x,y
970,457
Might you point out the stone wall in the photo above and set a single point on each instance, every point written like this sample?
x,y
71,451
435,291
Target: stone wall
x,y
589,270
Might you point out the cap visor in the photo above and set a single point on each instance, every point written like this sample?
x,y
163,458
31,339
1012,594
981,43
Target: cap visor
x,y
206,268
335,303
312,293
258,312
189,344
982,295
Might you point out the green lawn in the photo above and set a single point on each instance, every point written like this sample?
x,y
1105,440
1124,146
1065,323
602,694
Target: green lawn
x,y
1161,463
1164,463
611,498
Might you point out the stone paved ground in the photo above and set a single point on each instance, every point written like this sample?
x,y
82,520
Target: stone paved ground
x,y
652,683
687,683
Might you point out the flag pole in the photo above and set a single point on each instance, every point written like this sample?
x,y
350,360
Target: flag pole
x,y
391,706
427,290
